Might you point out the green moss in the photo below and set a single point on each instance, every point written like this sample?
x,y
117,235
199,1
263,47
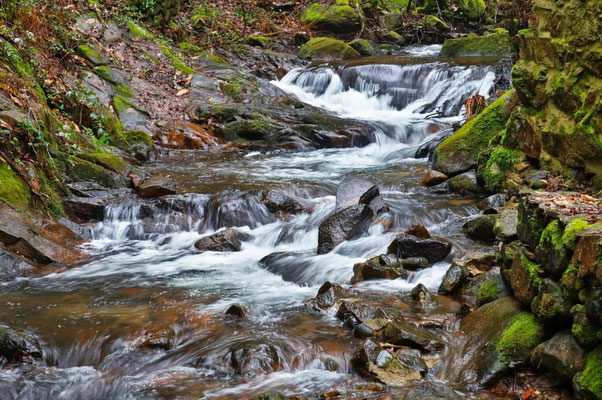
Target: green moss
x,y
104,73
92,54
435,6
523,32
472,9
140,32
261,41
572,230
84,170
533,271
473,137
552,234
132,138
323,48
52,200
232,90
24,69
431,20
339,18
124,91
248,130
108,161
591,378
175,61
487,293
12,189
582,329
152,57
493,44
501,161
517,341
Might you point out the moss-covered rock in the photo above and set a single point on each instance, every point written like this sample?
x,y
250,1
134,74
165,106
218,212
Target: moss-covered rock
x,y
260,41
551,305
326,49
473,10
248,130
337,18
435,22
435,6
83,170
487,293
518,339
363,47
523,278
92,54
109,161
590,381
175,60
459,152
137,143
494,172
493,44
584,330
139,31
13,190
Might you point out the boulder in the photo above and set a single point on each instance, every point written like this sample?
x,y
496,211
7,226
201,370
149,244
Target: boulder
x,y
506,225
354,190
378,268
433,178
237,310
407,334
327,49
157,186
92,54
473,10
363,331
343,225
424,298
499,335
373,362
412,359
12,266
492,204
465,184
587,383
552,305
86,209
363,47
337,18
277,202
328,295
227,240
254,357
359,312
432,391
523,277
493,44
18,347
433,250
454,278
480,228
419,231
414,263
184,136
560,355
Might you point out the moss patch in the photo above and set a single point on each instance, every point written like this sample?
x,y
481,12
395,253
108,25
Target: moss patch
x,y
497,167
12,189
140,32
552,234
175,61
323,48
108,161
487,293
591,378
92,54
232,90
517,341
494,44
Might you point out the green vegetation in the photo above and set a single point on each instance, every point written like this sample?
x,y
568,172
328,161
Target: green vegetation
x,y
12,190
176,62
517,341
591,378
493,44
487,293
496,169
327,49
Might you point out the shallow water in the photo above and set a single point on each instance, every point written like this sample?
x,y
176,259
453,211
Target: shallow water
x,y
147,273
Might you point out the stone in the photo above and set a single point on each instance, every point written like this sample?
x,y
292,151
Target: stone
x,y
433,250
363,331
465,184
492,204
406,334
412,359
377,268
363,47
560,355
237,310
551,305
185,136
19,347
277,202
480,228
493,44
486,287
414,263
433,178
92,54
227,240
473,10
339,18
506,226
157,186
86,209
499,335
354,190
254,357
328,294
343,225
258,41
419,231
454,278
327,49
523,277
12,266
589,380
156,338
432,391
424,298
359,312
270,395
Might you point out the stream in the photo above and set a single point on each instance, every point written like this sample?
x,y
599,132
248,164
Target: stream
x,y
147,274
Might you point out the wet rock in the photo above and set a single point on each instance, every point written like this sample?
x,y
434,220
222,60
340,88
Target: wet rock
x,y
378,268
40,240
156,338
406,334
328,294
412,359
132,117
277,202
359,312
584,331
112,33
552,305
368,352
419,231
363,46
271,395
486,287
432,391
227,240
424,298
560,355
433,250
254,357
499,335
523,277
493,44
343,225
465,184
481,228
506,226
327,49
354,190
587,383
338,18
593,306
178,135
363,331
12,266
433,178
157,186
414,263
237,310
18,347
454,278
492,204
393,373
236,208
86,209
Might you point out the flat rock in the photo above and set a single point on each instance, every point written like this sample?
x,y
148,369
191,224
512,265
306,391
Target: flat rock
x,y
433,178
433,250
351,189
157,186
226,240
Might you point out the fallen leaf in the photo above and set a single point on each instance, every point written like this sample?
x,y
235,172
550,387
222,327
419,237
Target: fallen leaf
x,y
182,92
527,394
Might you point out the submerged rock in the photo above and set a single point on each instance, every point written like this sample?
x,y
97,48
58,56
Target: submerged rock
x,y
156,338
254,357
237,310
227,240
18,347
406,334
380,267
277,202
271,395
328,294
433,250
432,391
355,190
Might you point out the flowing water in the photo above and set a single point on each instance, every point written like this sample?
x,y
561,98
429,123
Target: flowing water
x,y
147,275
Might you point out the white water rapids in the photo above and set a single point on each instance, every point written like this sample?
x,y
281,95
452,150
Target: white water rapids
x,y
147,246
